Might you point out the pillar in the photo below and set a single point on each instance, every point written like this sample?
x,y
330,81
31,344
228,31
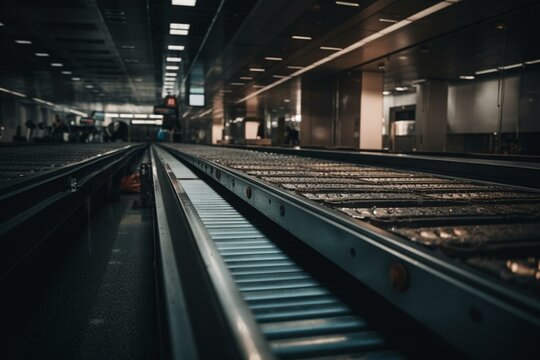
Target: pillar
x,y
371,110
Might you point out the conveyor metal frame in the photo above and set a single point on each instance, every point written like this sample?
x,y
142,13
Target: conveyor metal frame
x,y
472,311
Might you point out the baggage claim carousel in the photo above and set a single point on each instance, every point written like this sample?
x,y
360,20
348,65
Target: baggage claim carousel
x,y
283,253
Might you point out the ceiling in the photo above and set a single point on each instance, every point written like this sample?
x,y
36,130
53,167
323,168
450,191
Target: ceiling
x,y
114,51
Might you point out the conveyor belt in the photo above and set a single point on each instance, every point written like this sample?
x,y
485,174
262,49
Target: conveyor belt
x,y
298,316
473,246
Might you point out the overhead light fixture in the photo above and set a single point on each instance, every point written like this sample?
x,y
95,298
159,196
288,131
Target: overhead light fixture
x,y
300,37
467,77
360,43
76,78
386,92
80,113
155,116
166,83
179,26
141,116
246,78
401,88
12,92
513,66
178,32
273,58
171,67
257,70
238,83
170,79
174,59
170,74
66,72
176,47
532,62
57,64
287,100
126,116
347,3
112,115
388,20
23,42
146,122
402,57
487,71
280,76
258,86
293,67
184,2
43,101
42,54
89,86
330,48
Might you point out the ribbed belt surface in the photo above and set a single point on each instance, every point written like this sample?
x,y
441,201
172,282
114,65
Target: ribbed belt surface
x,y
299,317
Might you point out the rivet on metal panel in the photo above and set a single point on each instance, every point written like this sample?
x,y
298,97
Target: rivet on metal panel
x,y
248,192
475,314
281,210
399,277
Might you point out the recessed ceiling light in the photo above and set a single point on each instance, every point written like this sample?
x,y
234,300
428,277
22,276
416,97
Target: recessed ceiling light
x,y
57,64
171,67
184,2
401,88
42,54
66,72
386,92
466,77
287,100
330,48
273,58
238,83
176,47
178,32
179,26
174,59
388,20
170,74
76,78
295,67
246,78
256,70
347,3
23,42
300,37
402,57
89,86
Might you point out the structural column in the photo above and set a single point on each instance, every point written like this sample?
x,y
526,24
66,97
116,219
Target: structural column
x,y
431,115
371,110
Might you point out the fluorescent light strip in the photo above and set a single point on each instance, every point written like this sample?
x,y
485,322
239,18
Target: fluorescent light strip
x,y
179,26
174,59
347,3
43,101
293,67
205,113
170,79
42,54
330,48
257,70
171,67
388,20
77,112
76,78
280,76
466,77
513,66
67,72
487,71
126,116
238,83
146,122
57,64
23,42
112,115
12,92
155,116
178,32
246,78
273,58
356,45
532,62
184,2
300,37
171,74
176,47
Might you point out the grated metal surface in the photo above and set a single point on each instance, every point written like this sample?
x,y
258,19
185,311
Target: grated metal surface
x,y
494,224
298,316
19,163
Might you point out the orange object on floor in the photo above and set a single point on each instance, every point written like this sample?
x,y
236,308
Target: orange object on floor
x,y
131,183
